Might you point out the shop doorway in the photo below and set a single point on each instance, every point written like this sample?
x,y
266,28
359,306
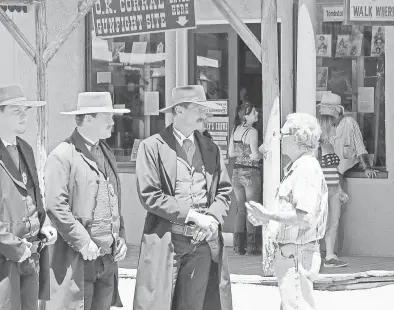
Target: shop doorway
x,y
221,62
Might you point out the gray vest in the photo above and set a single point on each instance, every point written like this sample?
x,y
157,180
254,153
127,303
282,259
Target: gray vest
x,y
106,218
191,185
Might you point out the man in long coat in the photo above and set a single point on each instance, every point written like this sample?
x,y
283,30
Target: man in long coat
x,y
183,183
83,201
24,267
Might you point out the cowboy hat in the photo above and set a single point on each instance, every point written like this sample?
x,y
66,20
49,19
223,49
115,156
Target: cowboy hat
x,y
190,94
330,103
95,102
13,95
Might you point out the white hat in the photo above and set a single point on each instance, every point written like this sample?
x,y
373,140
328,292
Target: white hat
x,y
330,103
95,102
190,94
13,95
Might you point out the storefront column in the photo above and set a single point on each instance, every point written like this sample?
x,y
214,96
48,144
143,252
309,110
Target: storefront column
x,y
306,57
170,69
181,58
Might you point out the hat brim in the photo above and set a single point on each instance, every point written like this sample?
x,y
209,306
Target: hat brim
x,y
29,104
328,109
209,105
96,110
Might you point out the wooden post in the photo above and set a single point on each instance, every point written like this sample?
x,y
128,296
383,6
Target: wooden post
x,y
239,26
42,116
18,35
306,58
271,120
16,2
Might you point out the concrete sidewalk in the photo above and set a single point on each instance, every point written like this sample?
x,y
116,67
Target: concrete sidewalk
x,y
362,272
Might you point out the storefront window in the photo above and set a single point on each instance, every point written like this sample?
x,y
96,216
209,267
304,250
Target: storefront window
x,y
351,63
132,69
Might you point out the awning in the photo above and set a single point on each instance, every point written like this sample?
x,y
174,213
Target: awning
x,y
14,8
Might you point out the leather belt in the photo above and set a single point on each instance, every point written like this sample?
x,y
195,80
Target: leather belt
x,y
184,230
37,247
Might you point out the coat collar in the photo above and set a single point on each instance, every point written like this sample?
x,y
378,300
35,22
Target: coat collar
x,y
168,155
80,145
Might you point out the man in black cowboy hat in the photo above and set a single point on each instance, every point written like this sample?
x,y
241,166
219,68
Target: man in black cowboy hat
x,y
24,230
183,184
83,201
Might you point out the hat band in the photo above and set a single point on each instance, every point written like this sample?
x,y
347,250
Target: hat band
x,y
13,100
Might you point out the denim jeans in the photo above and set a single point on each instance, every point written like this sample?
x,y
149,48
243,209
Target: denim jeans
x,y
296,267
247,187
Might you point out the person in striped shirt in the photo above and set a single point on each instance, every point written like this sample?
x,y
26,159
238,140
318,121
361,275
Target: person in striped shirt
x,y
346,138
329,162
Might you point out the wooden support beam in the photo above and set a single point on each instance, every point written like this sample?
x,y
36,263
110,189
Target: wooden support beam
x,y
19,37
271,121
239,26
42,115
83,8
16,2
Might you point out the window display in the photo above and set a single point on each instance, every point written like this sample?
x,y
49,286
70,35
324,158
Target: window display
x,y
132,69
351,63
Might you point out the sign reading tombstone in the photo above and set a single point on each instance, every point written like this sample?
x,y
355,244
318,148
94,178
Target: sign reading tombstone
x,y
118,18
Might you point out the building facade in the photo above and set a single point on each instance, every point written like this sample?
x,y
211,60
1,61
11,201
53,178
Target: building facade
x,y
141,70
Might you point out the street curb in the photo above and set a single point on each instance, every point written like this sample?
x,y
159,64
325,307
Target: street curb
x,y
325,282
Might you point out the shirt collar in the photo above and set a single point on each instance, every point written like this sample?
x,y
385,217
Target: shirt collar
x,y
89,143
180,136
6,143
292,165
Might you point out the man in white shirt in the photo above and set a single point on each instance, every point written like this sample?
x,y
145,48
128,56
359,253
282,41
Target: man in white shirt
x,y
300,219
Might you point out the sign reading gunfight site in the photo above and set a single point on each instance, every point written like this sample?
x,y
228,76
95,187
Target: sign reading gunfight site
x,y
118,18
371,10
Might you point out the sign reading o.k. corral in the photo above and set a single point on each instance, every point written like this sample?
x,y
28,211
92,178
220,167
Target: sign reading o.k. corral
x,y
118,18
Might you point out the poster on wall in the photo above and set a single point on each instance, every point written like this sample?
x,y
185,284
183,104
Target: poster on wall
x,y
343,43
378,40
321,78
222,111
218,128
356,42
323,45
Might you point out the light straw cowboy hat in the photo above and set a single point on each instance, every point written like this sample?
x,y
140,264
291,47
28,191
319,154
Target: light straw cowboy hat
x,y
95,102
330,103
13,95
190,94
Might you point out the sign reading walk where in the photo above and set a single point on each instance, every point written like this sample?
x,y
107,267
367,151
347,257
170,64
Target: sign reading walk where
x,y
118,18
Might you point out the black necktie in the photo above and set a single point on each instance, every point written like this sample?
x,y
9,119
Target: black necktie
x,y
12,149
189,148
98,156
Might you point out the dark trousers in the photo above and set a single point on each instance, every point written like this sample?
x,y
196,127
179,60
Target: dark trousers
x,y
19,284
99,283
191,273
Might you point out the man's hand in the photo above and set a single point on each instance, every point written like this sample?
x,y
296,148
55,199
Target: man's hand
x,y
253,220
27,252
121,250
90,251
204,221
50,234
371,173
257,213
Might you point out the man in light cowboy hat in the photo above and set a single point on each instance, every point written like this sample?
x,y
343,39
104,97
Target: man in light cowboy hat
x,y
83,201
24,228
347,140
183,184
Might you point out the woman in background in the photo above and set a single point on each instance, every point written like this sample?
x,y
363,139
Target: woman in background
x,y
246,175
329,162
